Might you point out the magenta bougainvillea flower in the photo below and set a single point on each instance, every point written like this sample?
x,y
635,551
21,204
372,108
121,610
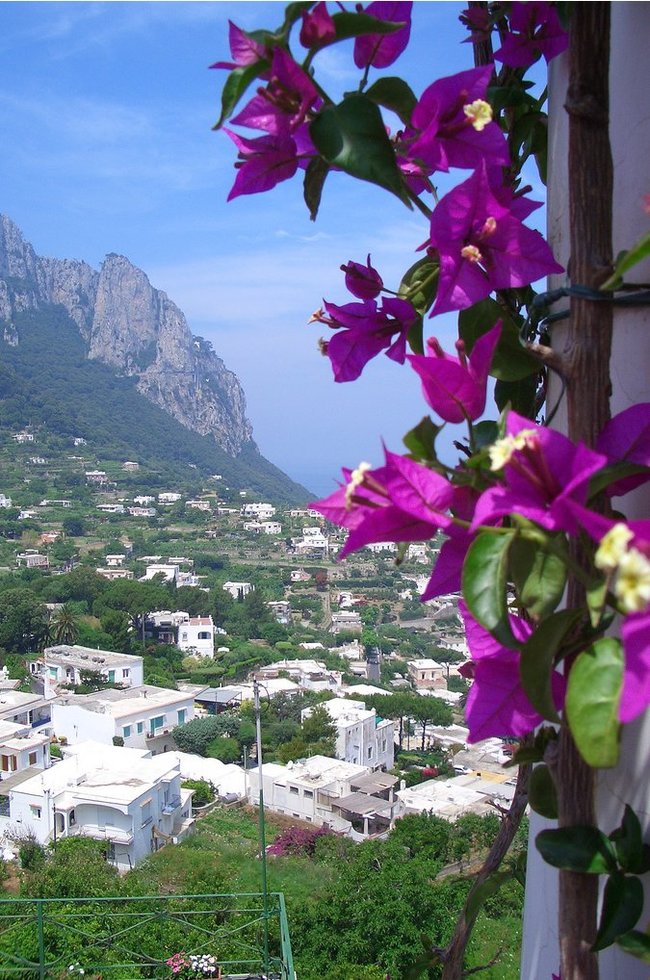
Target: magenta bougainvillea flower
x,y
244,49
534,30
453,124
262,163
318,28
401,501
626,438
542,470
281,107
363,281
497,704
455,387
381,50
477,21
367,329
483,246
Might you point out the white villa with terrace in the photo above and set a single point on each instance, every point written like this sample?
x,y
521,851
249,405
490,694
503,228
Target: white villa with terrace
x,y
131,802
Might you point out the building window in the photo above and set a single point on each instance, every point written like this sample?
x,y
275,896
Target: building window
x,y
309,794
370,751
294,790
145,813
35,811
72,818
139,727
126,672
32,758
8,763
111,677
126,731
182,713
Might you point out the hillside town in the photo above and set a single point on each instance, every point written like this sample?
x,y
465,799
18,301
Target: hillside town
x,y
166,612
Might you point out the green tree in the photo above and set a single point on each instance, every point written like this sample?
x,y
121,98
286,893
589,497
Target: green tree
x,y
23,621
64,626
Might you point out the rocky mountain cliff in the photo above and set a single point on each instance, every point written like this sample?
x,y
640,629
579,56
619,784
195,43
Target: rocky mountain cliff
x,y
132,328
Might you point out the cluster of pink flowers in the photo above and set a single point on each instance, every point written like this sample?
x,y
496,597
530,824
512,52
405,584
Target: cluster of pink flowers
x,y
195,965
477,244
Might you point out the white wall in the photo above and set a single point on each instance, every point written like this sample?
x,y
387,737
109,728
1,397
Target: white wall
x,y
630,139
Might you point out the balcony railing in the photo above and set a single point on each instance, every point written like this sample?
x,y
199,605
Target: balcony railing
x,y
118,937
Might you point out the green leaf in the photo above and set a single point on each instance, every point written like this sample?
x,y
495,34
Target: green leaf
x,y
539,576
609,474
519,395
592,699
352,136
315,176
636,944
577,848
596,595
485,433
621,909
632,854
394,94
484,584
349,24
537,657
542,794
420,441
419,285
293,12
627,260
236,84
511,361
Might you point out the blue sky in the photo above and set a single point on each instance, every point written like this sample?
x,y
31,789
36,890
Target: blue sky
x,y
106,112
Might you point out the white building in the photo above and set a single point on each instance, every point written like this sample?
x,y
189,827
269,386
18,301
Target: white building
x,y
168,498
451,798
328,792
143,716
4,500
144,500
32,559
310,675
119,796
169,572
64,664
115,573
96,476
260,511
361,737
346,620
31,710
196,636
22,747
427,674
238,590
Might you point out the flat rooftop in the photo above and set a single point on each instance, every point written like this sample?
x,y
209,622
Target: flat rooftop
x,y
87,658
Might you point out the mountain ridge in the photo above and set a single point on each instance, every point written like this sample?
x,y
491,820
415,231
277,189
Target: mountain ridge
x,y
136,332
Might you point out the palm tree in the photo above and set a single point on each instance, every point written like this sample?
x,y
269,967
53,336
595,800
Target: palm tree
x,y
64,626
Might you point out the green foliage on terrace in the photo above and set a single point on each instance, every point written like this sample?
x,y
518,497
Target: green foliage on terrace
x,y
47,381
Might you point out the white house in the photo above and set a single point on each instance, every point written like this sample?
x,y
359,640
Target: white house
x,y
167,498
4,500
96,476
122,797
260,510
64,664
24,709
427,673
144,500
32,559
361,736
169,572
143,716
196,636
22,747
328,792
115,573
238,590
346,620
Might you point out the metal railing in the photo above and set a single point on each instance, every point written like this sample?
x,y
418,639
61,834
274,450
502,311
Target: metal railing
x,y
131,938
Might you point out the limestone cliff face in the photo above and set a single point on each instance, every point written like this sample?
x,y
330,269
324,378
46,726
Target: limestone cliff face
x,y
133,328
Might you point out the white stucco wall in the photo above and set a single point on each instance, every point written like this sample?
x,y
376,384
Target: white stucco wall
x,y
630,139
